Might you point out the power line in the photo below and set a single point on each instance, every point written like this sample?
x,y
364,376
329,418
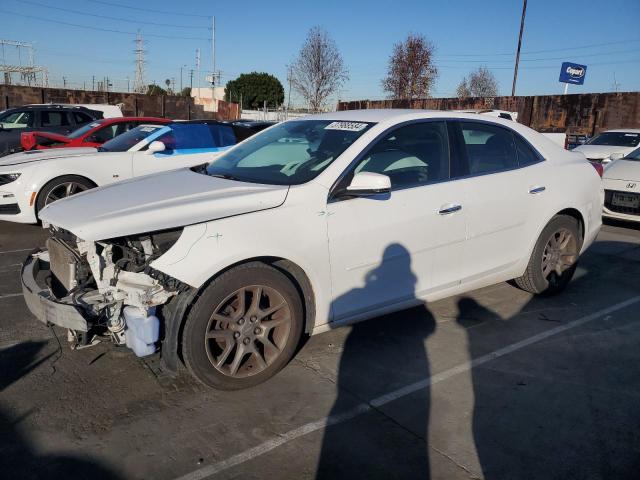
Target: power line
x,y
119,5
543,67
120,19
542,59
531,52
69,24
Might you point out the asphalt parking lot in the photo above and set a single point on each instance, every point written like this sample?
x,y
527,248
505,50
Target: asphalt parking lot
x,y
494,384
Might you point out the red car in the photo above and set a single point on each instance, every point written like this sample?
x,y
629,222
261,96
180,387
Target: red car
x,y
92,134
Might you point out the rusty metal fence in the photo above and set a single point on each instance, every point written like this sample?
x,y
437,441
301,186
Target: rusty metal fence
x,y
133,104
582,114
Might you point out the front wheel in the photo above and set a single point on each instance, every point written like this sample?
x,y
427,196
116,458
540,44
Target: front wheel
x,y
244,327
554,258
62,187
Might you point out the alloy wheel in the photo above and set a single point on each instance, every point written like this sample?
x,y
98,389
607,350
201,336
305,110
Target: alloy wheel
x,y
247,331
63,190
560,253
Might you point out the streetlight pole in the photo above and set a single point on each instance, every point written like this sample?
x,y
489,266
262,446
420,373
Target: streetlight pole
x,y
515,71
181,77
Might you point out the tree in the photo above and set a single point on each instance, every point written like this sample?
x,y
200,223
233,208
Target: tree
x,y
318,71
480,83
254,89
463,89
154,89
411,72
186,92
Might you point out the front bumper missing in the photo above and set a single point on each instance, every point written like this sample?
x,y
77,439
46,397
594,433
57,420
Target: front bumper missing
x,y
39,299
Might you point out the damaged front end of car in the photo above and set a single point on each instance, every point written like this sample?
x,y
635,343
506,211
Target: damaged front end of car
x,y
102,290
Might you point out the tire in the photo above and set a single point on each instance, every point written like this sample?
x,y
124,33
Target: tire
x,y
57,184
537,278
223,349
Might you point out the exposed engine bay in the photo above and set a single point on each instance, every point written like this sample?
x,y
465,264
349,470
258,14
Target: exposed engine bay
x,y
113,285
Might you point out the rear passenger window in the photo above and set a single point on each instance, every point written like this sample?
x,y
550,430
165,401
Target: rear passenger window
x,y
54,119
489,148
223,135
81,118
526,154
105,134
412,155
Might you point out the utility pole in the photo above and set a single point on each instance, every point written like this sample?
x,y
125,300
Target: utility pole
x,y
191,79
128,84
198,69
289,95
64,82
181,77
213,50
139,82
93,83
616,84
515,71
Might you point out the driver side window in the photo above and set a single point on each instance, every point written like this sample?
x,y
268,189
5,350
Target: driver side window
x,y
411,155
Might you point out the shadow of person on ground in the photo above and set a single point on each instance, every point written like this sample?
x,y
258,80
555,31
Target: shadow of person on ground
x,y
379,356
554,409
18,458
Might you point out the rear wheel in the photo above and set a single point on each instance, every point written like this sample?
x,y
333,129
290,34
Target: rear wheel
x,y
62,187
244,327
554,258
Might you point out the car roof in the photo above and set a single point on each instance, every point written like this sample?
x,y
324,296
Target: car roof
x,y
366,115
134,119
622,130
46,106
200,121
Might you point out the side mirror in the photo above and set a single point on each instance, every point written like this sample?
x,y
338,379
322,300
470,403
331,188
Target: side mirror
x,y
369,183
155,147
616,156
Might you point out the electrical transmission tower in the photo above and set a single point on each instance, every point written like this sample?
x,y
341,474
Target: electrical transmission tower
x,y
139,85
28,73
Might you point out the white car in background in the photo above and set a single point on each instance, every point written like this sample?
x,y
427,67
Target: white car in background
x,y
309,225
610,145
31,180
621,181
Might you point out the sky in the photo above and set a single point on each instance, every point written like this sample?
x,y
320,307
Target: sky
x,y
79,39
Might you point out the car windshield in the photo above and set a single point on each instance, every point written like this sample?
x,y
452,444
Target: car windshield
x,y
635,155
82,130
617,139
124,142
290,153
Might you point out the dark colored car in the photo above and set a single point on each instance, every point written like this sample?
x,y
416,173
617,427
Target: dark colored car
x,y
45,118
253,126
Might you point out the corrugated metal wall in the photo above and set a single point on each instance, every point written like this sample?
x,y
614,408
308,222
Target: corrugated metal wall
x,y
179,108
580,113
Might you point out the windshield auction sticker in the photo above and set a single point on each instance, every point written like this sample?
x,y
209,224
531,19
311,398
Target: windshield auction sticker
x,y
346,126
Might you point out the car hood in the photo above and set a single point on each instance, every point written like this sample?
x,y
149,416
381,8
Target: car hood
x,y
599,152
623,170
158,202
39,155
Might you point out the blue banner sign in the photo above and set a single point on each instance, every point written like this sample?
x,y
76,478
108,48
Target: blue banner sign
x,y
573,73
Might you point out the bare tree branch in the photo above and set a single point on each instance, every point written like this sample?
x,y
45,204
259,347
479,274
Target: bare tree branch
x,y
480,83
319,70
411,72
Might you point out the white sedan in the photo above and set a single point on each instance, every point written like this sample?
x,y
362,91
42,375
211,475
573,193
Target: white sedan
x,y
621,181
31,180
309,225
610,145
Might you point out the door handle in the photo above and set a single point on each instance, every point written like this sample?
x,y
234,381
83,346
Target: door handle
x,y
534,190
448,209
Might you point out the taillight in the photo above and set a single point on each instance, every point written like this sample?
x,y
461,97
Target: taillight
x,y
599,168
